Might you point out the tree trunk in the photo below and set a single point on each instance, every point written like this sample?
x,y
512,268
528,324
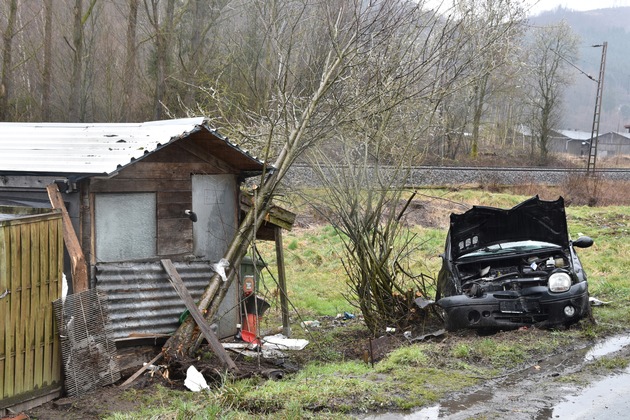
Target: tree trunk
x,y
164,30
479,102
47,73
7,50
129,79
184,341
77,63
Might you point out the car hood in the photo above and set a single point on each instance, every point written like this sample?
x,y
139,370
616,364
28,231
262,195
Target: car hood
x,y
533,219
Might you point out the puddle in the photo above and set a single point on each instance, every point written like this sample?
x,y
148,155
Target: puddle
x,y
606,398
603,399
607,346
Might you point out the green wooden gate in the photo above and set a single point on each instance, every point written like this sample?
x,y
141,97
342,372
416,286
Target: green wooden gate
x,y
31,264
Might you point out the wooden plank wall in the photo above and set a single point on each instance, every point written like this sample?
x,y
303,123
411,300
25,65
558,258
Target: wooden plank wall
x,y
31,264
168,173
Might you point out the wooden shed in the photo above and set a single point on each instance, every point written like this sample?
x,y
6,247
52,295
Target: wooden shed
x,y
129,190
31,259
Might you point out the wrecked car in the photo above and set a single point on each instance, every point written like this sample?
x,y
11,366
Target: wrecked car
x,y
509,268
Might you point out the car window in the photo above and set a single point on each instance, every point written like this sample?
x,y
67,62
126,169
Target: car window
x,y
511,248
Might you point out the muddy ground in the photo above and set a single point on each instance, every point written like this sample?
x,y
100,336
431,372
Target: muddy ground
x,y
349,343
552,387
528,392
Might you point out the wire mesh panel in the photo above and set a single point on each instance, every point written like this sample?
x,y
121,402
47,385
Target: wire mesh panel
x,y
87,350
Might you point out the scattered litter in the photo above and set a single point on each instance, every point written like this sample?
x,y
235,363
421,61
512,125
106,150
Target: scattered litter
x,y
596,302
407,334
220,267
390,330
236,346
252,351
275,374
345,316
423,302
423,337
310,324
64,288
273,354
246,352
280,342
195,380
161,370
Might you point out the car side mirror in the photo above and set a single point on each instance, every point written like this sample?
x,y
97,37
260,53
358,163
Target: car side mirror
x,y
583,242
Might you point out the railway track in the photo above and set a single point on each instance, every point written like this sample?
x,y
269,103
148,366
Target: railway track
x,y
304,175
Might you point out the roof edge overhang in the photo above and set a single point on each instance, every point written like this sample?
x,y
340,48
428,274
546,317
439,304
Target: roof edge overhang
x,y
252,166
203,125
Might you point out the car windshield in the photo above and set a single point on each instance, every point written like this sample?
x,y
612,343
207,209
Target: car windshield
x,y
516,247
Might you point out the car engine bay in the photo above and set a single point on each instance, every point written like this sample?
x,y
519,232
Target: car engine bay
x,y
514,273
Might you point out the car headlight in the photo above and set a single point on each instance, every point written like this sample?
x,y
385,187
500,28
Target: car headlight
x,y
559,282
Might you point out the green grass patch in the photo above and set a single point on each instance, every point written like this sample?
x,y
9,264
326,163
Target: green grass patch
x,y
334,384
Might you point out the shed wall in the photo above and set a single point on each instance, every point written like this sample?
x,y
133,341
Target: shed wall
x,y
167,174
143,302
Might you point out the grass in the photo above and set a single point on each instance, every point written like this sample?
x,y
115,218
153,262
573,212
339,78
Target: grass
x,y
333,385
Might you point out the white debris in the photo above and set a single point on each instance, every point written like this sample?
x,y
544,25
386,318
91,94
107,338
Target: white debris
x,y
596,302
310,324
280,342
195,380
64,288
220,267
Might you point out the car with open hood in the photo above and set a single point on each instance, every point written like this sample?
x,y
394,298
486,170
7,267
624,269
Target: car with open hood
x,y
509,268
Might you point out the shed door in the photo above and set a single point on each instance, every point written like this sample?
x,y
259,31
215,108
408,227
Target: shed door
x,y
215,201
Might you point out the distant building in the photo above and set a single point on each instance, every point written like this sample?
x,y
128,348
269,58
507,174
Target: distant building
x,y
614,144
573,142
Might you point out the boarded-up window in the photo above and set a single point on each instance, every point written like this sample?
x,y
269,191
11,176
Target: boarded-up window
x,y
125,226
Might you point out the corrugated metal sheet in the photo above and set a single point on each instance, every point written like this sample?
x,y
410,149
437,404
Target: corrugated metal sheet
x,y
575,134
97,148
141,299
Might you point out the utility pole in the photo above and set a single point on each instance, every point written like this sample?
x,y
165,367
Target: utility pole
x,y
592,155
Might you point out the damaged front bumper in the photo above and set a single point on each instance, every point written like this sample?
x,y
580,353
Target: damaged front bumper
x,y
514,309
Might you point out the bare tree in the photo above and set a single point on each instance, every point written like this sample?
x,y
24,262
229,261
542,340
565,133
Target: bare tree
x,y
552,50
78,57
131,54
161,19
298,115
493,29
47,66
6,79
365,72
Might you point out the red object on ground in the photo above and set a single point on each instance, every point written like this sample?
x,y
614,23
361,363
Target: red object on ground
x,y
250,329
251,324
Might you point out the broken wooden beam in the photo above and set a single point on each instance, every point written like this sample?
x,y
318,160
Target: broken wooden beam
x,y
77,259
184,294
139,372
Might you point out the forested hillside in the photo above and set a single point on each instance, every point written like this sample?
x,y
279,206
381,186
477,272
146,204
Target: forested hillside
x,y
385,80
594,27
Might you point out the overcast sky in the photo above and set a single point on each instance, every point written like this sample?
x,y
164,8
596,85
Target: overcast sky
x,y
542,5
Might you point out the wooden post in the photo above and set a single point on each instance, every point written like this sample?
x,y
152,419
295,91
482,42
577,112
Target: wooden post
x,y
77,259
282,284
139,372
184,294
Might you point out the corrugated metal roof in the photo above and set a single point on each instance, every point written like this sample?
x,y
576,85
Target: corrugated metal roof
x,y
575,134
94,148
